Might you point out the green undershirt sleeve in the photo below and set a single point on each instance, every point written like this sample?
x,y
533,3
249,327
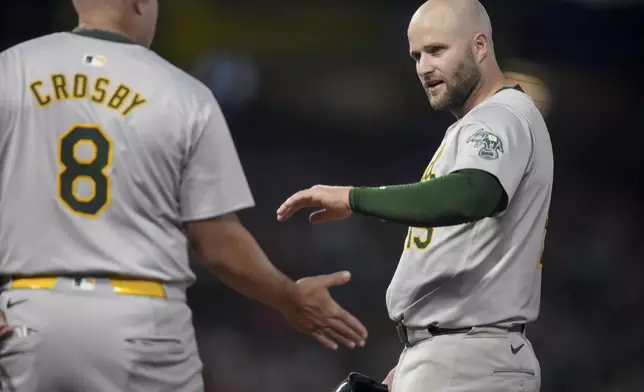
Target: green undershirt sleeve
x,y
464,196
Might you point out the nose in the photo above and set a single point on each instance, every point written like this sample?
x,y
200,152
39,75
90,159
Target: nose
x,y
425,65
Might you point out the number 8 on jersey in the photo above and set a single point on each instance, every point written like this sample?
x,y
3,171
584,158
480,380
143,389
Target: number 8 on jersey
x,y
94,169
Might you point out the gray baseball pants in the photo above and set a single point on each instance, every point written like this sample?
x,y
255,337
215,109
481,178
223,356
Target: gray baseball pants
x,y
86,338
482,360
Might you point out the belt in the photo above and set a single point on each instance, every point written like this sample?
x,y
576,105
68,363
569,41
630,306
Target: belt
x,y
412,336
118,286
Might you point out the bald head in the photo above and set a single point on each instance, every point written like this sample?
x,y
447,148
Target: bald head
x,y
93,6
451,41
461,18
134,18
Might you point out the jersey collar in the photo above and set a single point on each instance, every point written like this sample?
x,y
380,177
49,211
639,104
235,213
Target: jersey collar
x,y
515,87
104,35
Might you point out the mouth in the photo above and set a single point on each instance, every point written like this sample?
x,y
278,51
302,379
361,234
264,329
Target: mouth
x,y
433,86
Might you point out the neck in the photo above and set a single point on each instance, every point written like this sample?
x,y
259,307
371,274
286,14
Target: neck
x,y
104,25
487,87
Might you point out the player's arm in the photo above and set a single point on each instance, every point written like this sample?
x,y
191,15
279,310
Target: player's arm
x,y
213,187
464,196
460,197
480,184
235,258
233,255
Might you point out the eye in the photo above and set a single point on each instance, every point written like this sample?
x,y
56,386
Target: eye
x,y
415,56
435,50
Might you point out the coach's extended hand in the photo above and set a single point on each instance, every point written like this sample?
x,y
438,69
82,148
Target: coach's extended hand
x,y
314,312
333,202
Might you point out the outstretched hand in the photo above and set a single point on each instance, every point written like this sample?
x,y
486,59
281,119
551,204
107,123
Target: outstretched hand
x,y
314,312
332,203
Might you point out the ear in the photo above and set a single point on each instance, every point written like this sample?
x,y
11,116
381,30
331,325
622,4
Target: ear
x,y
139,6
481,47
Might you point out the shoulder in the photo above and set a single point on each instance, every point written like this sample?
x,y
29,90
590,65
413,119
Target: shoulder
x,y
501,119
183,82
201,103
508,109
195,98
17,57
33,44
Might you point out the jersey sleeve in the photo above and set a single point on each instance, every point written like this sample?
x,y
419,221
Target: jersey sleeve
x,y
213,180
498,144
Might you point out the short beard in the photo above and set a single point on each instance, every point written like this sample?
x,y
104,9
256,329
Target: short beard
x,y
463,83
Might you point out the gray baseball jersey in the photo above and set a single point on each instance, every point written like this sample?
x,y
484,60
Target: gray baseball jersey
x,y
486,272
106,150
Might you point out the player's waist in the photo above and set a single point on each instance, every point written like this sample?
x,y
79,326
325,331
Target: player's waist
x,y
412,336
98,285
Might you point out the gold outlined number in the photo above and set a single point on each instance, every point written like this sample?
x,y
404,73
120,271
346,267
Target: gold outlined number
x,y
94,169
429,171
420,237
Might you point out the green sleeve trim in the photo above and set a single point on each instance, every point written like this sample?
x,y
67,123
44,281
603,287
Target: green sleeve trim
x,y
464,196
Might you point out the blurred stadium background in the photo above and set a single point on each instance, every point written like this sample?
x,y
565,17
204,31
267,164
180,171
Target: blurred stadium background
x,y
324,92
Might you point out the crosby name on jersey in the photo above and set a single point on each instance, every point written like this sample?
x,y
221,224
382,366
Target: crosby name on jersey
x,y
58,87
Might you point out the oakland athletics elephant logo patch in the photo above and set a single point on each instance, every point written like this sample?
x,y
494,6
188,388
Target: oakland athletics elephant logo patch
x,y
489,144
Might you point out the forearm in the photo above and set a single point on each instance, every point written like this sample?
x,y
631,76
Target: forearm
x,y
236,259
466,196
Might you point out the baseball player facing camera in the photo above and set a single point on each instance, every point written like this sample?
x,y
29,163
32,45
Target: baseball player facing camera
x,y
469,278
